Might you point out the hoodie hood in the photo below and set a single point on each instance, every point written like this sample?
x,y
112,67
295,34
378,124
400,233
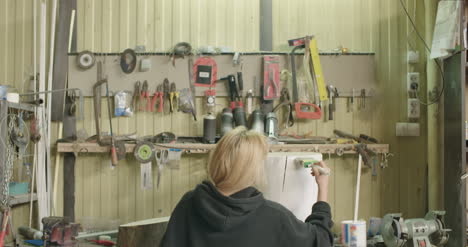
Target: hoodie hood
x,y
222,212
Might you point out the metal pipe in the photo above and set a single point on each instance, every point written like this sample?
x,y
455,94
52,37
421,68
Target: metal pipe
x,y
80,94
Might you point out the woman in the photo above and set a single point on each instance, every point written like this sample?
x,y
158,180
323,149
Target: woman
x,y
229,211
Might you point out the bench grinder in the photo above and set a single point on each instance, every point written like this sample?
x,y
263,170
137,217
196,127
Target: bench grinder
x,y
429,231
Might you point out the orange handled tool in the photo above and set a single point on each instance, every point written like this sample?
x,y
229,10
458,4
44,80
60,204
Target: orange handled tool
x,y
4,227
303,110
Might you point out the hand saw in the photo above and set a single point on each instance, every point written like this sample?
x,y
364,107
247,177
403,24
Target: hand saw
x,y
303,110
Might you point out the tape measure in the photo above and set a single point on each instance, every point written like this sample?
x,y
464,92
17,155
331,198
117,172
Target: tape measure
x,y
85,60
144,152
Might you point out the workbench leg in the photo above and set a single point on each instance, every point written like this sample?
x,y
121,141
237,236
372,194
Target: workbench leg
x,y
69,130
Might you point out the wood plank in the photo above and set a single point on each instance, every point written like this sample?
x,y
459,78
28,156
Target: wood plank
x,y
345,168
61,58
325,128
90,148
358,69
162,196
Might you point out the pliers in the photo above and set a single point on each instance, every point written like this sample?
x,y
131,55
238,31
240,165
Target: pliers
x,y
136,95
286,101
271,80
145,95
157,94
173,96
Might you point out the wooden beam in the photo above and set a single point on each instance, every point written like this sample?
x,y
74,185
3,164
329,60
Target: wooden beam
x,y
69,130
205,148
454,149
61,58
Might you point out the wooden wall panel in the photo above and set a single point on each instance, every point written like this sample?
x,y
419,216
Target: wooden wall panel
x,y
360,25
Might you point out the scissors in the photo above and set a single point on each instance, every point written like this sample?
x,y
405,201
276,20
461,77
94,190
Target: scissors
x,y
161,159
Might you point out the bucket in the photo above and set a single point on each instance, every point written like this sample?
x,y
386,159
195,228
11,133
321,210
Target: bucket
x,y
353,233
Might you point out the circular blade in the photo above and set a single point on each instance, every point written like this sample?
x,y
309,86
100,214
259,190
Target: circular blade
x,y
128,60
144,152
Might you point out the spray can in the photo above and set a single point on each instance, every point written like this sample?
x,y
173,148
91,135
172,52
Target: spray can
x,y
271,126
258,121
226,121
239,117
209,128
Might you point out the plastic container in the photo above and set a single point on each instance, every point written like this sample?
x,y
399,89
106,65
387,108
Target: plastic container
x,y
353,233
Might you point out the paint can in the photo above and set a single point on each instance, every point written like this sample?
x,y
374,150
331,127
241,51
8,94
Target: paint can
x,y
353,233
226,121
209,129
239,117
271,126
258,124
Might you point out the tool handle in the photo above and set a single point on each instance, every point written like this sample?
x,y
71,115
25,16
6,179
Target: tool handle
x,y
171,101
153,101
114,159
330,112
148,104
317,114
161,102
240,81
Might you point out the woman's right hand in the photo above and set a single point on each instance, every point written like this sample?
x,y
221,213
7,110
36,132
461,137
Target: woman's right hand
x,y
322,181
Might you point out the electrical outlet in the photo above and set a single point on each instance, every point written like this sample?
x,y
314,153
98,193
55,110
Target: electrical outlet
x,y
414,109
413,57
413,81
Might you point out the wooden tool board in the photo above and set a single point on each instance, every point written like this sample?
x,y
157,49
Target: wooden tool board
x,y
343,71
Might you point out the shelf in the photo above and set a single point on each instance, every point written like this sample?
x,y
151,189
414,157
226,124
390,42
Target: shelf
x,y
24,107
21,199
205,148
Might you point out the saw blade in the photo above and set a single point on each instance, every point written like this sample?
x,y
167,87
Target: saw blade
x,y
144,152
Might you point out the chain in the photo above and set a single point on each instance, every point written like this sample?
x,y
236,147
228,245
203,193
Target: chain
x,y
8,168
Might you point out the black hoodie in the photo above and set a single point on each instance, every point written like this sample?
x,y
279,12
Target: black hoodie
x,y
204,218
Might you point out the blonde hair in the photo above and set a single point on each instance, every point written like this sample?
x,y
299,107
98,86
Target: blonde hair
x,y
238,160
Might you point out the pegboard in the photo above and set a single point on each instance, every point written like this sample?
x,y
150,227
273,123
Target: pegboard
x,y
342,71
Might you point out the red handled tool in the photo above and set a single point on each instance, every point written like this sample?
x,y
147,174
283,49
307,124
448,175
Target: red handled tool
x,y
158,94
6,215
303,110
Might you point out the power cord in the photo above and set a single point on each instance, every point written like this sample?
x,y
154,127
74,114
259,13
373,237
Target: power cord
x,y
439,96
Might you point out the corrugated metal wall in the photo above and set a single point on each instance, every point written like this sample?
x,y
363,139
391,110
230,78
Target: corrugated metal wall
x,y
114,25
360,25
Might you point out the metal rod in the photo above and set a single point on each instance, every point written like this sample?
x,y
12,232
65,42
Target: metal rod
x,y
80,93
